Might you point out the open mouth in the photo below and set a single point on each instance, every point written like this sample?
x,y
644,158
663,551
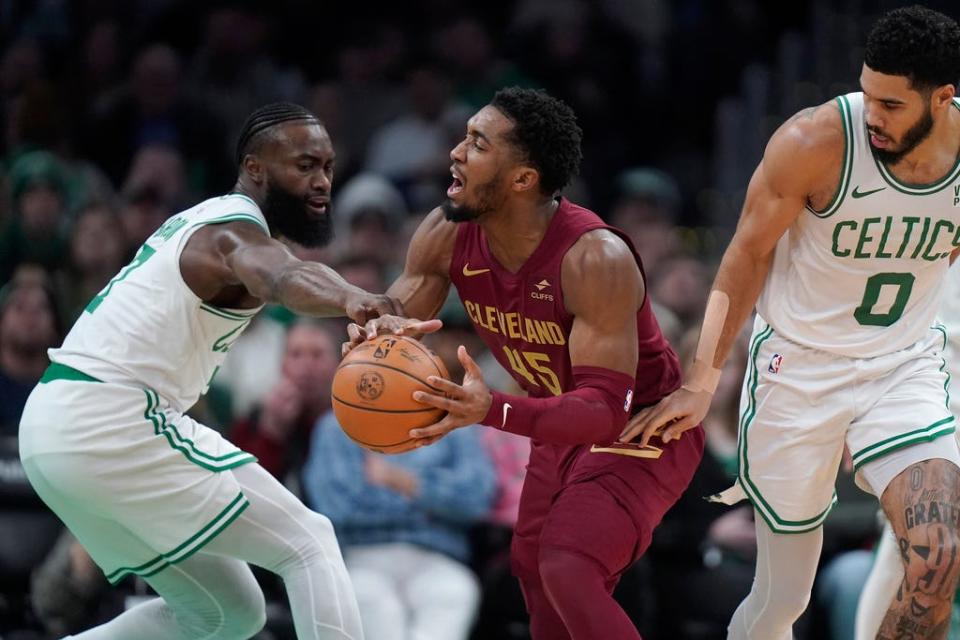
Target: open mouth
x,y
879,141
456,186
318,206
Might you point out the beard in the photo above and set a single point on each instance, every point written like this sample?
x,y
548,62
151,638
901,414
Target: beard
x,y
914,136
487,201
287,215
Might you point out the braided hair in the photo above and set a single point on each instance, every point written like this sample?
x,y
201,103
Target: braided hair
x,y
263,119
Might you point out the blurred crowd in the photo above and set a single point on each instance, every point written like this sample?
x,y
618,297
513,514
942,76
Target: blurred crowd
x,y
118,114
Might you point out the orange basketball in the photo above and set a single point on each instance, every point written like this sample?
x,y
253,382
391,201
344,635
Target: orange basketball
x,y
373,392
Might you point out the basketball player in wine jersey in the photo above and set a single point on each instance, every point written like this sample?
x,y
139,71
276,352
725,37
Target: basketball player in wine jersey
x,y
849,225
559,298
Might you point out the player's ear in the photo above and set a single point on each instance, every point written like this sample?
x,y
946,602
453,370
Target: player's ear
x,y
525,179
943,96
253,168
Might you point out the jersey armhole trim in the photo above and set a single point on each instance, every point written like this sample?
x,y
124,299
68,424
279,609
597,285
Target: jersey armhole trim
x,y
193,228
233,217
847,168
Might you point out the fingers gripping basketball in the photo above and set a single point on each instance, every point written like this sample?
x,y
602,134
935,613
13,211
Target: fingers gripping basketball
x,y
373,392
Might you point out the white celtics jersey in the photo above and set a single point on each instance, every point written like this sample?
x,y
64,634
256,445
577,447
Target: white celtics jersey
x,y
148,328
864,276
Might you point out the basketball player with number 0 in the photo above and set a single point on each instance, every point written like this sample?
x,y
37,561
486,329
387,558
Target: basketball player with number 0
x,y
850,223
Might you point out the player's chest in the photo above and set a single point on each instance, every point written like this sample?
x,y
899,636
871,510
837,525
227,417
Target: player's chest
x,y
897,227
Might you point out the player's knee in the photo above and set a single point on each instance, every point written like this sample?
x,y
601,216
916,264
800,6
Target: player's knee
x,y
787,602
246,617
931,564
566,574
320,525
247,624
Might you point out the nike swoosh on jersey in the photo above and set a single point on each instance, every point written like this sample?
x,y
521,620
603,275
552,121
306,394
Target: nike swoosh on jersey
x,y
506,408
467,271
864,194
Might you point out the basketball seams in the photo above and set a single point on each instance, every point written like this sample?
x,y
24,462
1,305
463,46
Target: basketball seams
x,y
384,365
380,447
427,353
374,409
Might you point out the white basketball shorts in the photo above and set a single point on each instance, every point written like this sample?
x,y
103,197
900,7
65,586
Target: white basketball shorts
x,y
799,405
140,485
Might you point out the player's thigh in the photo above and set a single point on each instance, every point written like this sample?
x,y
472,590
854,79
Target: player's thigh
x,y
907,417
540,487
795,408
277,528
108,542
922,504
587,519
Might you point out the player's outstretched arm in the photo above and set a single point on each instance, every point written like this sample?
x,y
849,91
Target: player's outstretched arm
x,y
422,287
799,161
240,253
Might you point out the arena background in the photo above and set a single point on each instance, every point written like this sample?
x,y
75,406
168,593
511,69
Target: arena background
x,y
117,114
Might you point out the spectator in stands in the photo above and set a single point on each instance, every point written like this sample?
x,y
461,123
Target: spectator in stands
x,y
369,212
279,431
29,324
646,209
233,71
97,251
34,233
153,109
681,284
142,211
413,150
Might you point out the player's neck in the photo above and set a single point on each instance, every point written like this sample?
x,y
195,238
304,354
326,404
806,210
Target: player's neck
x,y
933,158
243,188
516,232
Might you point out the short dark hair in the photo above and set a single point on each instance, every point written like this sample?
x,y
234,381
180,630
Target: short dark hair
x,y
545,131
916,42
263,119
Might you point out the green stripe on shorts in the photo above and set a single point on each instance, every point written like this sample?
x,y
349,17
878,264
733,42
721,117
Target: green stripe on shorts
x,y
186,446
189,547
774,521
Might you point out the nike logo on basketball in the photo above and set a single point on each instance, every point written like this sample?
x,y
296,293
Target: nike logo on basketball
x,y
863,194
506,408
467,271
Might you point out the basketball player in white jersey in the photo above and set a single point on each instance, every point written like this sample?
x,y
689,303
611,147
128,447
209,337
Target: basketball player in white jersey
x,y
848,228
104,437
887,571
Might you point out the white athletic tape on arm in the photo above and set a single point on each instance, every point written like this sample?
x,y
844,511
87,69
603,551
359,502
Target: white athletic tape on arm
x,y
703,375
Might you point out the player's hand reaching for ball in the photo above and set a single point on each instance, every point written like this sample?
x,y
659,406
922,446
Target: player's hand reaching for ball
x,y
363,307
465,403
387,325
681,410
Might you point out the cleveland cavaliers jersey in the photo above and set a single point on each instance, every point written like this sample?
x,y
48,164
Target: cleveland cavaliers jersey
x,y
863,277
522,318
148,328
